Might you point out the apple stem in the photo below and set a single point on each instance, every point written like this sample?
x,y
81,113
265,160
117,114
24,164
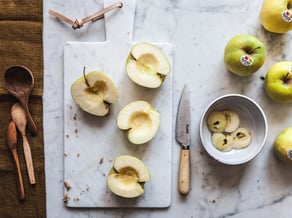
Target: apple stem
x,y
86,81
252,50
286,78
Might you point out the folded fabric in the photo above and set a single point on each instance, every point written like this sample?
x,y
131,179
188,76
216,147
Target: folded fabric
x,y
21,24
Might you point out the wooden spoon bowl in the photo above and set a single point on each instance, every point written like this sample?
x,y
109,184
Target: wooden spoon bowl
x,y
19,82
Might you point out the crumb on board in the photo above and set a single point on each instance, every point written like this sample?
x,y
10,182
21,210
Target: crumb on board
x,y
65,154
75,199
87,189
103,174
67,185
101,160
75,117
66,198
67,135
78,154
70,107
76,130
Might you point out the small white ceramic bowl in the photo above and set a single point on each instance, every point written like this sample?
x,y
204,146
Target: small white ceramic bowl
x,y
251,116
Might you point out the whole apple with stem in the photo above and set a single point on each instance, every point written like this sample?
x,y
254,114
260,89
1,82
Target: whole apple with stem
x,y
244,55
283,145
278,82
276,15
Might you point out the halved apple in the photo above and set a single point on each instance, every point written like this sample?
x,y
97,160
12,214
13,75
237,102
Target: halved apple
x,y
140,120
94,93
127,176
147,65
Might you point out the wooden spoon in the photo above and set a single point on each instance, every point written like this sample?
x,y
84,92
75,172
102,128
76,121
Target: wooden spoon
x,y
19,82
11,142
18,116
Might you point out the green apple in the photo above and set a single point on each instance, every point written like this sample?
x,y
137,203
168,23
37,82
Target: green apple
x,y
278,82
128,176
244,55
140,120
276,15
94,93
283,145
147,65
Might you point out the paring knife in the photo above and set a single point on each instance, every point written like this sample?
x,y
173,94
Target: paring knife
x,y
182,136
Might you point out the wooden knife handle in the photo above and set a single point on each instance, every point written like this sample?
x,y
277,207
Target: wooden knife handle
x,y
184,172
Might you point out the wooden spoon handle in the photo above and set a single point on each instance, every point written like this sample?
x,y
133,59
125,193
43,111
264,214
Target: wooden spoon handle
x,y
30,123
28,160
21,193
184,172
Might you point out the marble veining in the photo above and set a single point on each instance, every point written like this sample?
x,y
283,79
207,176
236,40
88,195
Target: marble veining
x,y
198,31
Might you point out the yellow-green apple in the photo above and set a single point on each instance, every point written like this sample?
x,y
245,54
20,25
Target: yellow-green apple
x,y
278,82
276,15
128,176
94,93
140,120
283,145
147,65
244,55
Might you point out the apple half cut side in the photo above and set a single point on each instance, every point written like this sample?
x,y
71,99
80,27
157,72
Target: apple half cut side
x,y
128,176
140,120
94,93
147,65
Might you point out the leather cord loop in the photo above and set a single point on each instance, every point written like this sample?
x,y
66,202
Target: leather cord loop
x,y
78,23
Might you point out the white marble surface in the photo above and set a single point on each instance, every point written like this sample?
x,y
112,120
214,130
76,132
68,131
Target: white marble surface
x,y
198,30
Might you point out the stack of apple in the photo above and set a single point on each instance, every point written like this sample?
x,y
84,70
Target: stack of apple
x,y
245,54
94,92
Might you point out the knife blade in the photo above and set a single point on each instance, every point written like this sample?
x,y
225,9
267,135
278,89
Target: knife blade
x,y
183,137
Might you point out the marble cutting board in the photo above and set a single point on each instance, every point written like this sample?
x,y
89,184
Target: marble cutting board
x,y
92,143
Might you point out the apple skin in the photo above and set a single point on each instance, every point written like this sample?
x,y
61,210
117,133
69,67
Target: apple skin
x,y
278,82
282,144
244,46
271,15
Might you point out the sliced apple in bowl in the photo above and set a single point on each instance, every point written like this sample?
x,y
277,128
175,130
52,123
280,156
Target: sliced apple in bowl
x,y
140,120
94,93
147,65
128,176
